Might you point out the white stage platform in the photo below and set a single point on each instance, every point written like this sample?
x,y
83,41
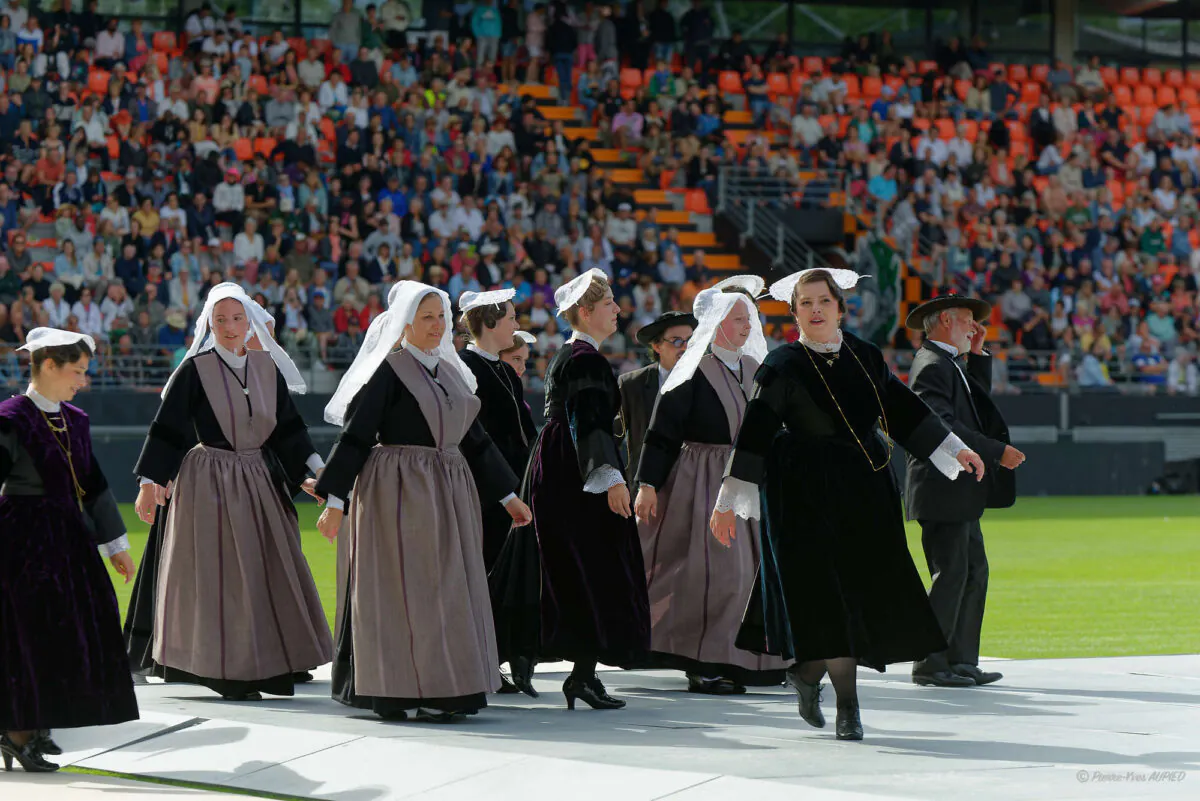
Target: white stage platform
x,y
1122,728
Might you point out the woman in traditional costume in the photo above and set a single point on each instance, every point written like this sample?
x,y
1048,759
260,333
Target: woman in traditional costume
x,y
491,320
572,586
237,609
698,590
139,617
414,627
837,586
61,660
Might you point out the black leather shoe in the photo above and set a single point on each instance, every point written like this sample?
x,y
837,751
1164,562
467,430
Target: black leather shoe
x,y
848,725
591,692
253,695
436,716
28,756
717,686
45,744
506,686
942,678
976,675
302,677
522,675
810,700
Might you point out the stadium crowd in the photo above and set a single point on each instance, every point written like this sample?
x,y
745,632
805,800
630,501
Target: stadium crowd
x,y
140,169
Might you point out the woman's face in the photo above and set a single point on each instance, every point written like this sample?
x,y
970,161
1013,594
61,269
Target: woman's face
x,y
506,326
735,328
61,383
816,311
602,318
516,359
428,325
229,324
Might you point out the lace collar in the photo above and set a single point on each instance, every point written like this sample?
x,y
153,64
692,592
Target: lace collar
x,y
42,402
229,357
730,358
579,336
822,347
491,357
427,360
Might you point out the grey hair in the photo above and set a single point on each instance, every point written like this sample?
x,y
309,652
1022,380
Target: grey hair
x,y
932,321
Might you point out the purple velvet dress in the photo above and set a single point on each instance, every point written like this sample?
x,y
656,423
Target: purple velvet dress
x,y
62,658
572,585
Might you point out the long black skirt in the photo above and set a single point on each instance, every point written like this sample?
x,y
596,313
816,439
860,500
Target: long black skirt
x,y
139,618
836,577
572,585
62,663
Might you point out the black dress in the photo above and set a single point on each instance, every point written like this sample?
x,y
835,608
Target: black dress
x,y
509,423
572,585
61,661
837,579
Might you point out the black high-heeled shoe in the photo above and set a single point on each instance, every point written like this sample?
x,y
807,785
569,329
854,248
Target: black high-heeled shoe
x,y
591,692
45,744
29,757
522,675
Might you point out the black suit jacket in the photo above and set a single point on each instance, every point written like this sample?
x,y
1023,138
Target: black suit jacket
x,y
639,389
974,417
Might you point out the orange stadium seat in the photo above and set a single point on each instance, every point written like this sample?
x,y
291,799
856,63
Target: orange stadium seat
x,y
1152,76
164,41
1174,78
730,83
1143,95
1130,76
1040,72
1018,73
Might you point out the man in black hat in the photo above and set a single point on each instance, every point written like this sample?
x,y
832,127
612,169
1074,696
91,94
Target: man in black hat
x,y
667,338
952,373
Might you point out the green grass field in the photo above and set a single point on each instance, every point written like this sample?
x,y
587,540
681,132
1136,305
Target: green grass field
x,y
1070,577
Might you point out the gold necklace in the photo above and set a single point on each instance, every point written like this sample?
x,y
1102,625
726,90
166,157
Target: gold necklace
x,y
66,451
882,413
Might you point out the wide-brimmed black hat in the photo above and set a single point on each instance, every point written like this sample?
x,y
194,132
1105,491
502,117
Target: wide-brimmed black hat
x,y
980,309
652,331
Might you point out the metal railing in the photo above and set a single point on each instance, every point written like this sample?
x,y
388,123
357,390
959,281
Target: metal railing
x,y
755,200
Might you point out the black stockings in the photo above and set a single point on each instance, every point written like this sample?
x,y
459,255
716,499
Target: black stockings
x,y
584,671
842,674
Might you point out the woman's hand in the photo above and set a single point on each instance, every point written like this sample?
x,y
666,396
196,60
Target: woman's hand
x,y
618,499
163,494
723,526
646,505
146,504
329,522
971,462
123,563
519,512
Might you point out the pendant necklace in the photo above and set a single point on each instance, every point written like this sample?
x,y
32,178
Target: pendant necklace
x,y
244,384
499,373
55,430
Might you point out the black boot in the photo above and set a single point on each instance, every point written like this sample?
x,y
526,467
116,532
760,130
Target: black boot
x,y
302,677
591,692
522,675
809,699
506,686
46,745
29,757
849,726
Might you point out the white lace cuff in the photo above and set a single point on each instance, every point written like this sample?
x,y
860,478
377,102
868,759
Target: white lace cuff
x,y
602,479
739,497
945,457
315,463
114,547
334,502
512,496
143,482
